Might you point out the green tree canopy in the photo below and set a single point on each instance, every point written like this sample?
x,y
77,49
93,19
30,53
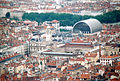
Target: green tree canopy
x,y
70,19
15,18
7,15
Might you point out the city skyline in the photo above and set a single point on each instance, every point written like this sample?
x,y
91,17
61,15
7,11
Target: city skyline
x,y
59,40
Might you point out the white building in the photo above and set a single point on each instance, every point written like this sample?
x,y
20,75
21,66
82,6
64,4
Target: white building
x,y
58,1
92,13
18,49
55,23
36,46
48,33
105,60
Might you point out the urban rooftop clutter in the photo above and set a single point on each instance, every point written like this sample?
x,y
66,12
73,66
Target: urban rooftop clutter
x,y
59,40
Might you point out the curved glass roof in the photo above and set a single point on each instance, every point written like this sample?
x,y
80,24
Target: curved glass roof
x,y
93,24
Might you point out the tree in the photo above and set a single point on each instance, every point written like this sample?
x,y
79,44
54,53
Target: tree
x,y
15,18
7,15
69,19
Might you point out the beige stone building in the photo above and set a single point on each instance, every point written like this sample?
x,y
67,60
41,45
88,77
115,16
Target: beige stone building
x,y
111,50
36,47
91,57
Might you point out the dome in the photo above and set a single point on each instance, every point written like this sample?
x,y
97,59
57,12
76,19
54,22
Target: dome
x,y
87,26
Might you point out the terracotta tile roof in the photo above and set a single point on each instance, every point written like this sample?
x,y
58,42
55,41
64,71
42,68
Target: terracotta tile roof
x,y
77,41
88,59
51,64
74,67
51,26
115,79
103,56
59,66
55,21
36,65
9,56
41,59
95,74
1,26
87,76
118,63
77,59
117,67
71,79
30,66
44,27
8,2
90,55
15,78
60,75
47,76
77,45
77,79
